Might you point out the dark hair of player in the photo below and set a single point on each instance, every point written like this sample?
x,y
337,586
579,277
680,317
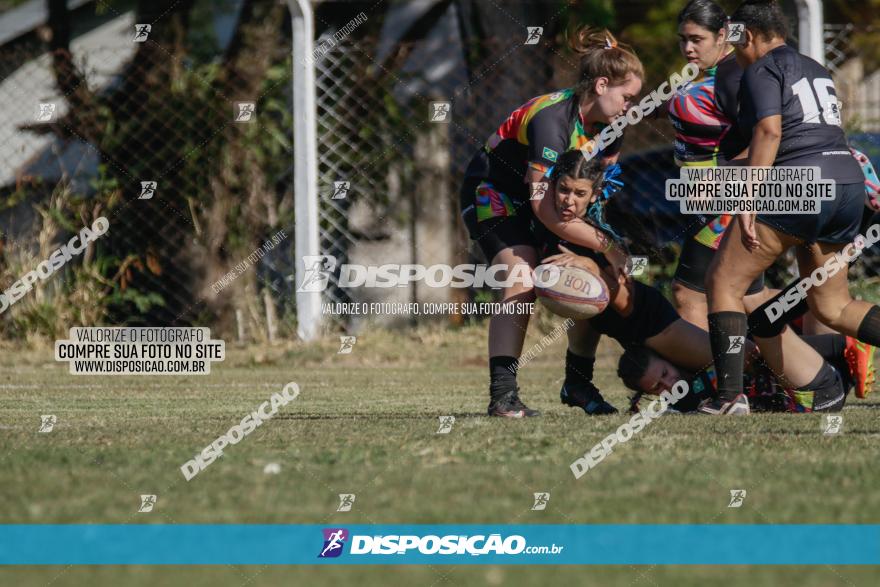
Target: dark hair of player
x,y
602,56
762,17
573,164
704,13
632,365
619,216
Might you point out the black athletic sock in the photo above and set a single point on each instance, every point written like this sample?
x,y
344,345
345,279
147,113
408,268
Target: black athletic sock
x,y
869,329
578,369
759,322
728,365
502,375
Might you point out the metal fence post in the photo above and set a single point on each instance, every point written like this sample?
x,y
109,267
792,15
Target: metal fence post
x,y
305,165
810,29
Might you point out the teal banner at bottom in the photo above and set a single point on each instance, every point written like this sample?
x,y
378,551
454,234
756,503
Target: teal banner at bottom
x,y
496,544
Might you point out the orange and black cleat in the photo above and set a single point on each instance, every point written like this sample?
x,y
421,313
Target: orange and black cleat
x,y
860,357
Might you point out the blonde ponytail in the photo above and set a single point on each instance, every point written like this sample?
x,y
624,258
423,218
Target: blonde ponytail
x,y
600,55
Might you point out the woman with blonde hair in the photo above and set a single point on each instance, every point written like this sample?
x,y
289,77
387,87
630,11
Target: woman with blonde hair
x,y
498,212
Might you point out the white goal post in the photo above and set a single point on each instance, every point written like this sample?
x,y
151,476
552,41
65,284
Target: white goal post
x,y
305,165
811,23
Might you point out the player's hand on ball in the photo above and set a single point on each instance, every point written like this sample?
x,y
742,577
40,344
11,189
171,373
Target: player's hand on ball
x,y
568,259
618,260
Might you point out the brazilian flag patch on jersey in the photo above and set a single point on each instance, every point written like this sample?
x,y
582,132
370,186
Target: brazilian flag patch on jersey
x,y
549,154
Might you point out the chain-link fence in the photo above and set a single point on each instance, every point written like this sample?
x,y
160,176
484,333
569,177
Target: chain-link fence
x,y
400,172
394,188
859,88
400,169
197,245
188,161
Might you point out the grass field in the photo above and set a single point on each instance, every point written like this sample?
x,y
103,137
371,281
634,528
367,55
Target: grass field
x,y
366,423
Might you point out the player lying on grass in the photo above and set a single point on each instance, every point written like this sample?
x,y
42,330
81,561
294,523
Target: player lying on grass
x,y
809,374
636,314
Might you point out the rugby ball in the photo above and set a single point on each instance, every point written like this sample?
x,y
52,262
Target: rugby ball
x,y
578,293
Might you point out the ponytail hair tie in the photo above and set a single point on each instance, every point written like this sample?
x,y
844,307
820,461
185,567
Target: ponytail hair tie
x,y
611,183
609,44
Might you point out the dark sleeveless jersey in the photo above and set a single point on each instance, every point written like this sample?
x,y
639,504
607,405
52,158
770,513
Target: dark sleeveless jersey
x,y
784,82
548,244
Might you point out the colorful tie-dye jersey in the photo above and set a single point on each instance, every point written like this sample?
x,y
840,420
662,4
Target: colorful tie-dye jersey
x,y
532,137
872,182
703,114
710,235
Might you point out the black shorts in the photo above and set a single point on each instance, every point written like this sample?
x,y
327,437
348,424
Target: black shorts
x,y
651,314
500,232
693,265
826,393
837,223
829,390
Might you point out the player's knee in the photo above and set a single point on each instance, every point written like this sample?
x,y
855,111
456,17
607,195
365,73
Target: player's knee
x,y
582,350
714,282
826,392
519,282
756,300
721,283
686,299
827,314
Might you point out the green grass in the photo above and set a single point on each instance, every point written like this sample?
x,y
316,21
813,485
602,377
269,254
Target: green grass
x,y
366,423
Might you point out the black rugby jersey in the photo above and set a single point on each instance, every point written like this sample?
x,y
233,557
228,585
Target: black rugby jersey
x,y
784,82
549,242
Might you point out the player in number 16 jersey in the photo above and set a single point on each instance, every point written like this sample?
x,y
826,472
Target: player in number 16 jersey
x,y
798,89
789,104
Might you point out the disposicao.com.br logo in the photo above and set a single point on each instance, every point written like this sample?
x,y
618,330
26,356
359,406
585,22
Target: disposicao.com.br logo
x,y
319,269
334,541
